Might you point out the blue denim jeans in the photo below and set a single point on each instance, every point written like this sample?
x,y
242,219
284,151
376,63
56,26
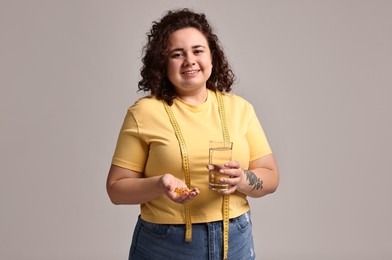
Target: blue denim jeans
x,y
166,241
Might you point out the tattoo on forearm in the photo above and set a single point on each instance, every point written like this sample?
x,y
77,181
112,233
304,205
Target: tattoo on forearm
x,y
254,181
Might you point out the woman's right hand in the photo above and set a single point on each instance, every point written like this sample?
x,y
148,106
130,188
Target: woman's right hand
x,y
126,186
169,183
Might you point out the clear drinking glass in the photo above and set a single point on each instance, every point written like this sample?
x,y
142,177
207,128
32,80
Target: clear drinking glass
x,y
220,153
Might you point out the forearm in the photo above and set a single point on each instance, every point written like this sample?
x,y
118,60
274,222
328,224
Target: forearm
x,y
134,190
258,182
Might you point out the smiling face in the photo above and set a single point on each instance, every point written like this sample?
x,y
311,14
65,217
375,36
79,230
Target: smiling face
x,y
189,62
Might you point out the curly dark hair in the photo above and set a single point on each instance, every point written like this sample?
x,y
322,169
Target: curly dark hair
x,y
153,71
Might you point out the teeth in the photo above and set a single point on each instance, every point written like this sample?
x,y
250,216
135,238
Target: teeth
x,y
190,72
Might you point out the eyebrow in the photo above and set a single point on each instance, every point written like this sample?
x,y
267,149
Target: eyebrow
x,y
181,49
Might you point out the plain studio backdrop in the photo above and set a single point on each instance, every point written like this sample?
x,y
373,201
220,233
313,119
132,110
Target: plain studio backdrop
x,y
317,72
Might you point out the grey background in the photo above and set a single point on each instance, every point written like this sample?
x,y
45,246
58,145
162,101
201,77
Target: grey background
x,y
317,72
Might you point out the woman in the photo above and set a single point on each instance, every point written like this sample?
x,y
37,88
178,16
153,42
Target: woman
x,y
161,157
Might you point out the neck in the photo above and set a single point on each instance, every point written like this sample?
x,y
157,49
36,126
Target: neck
x,y
194,98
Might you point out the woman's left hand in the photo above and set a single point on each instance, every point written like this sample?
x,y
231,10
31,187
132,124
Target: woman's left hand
x,y
234,177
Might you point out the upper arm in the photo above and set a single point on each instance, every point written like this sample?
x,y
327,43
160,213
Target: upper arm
x,y
266,162
117,173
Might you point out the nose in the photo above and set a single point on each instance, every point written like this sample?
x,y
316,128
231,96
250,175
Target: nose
x,y
189,61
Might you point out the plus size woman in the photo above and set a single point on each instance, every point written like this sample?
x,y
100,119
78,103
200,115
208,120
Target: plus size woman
x,y
161,158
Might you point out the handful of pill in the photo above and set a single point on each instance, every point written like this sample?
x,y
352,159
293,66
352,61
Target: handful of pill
x,y
181,190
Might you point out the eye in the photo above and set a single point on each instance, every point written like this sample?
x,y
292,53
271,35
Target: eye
x,y
176,55
198,51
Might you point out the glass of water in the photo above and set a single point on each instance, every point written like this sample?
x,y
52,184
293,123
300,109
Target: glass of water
x,y
219,154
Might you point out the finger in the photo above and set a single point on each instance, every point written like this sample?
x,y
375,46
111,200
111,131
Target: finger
x,y
229,191
192,195
225,172
195,190
232,164
231,173
229,181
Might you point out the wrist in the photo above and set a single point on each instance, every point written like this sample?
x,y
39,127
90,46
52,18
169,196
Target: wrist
x,y
242,185
250,182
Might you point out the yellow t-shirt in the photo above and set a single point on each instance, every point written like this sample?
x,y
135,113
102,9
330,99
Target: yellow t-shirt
x,y
147,143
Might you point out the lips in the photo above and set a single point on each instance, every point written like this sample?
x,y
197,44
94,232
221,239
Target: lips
x,y
189,72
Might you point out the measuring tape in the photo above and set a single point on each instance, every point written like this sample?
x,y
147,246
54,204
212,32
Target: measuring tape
x,y
185,164
226,202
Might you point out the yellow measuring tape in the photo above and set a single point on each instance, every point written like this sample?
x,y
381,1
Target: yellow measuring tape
x,y
226,201
185,164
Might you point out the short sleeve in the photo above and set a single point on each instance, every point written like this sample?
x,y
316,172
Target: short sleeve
x,y
131,151
256,137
